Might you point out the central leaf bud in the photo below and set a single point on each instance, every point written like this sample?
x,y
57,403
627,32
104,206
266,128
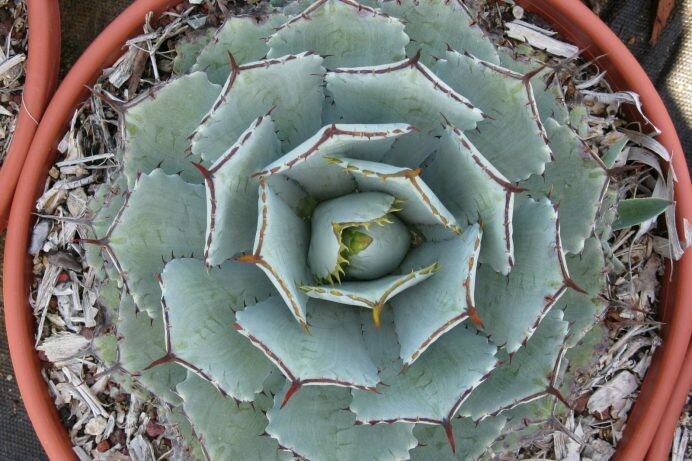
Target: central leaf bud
x,y
375,250
358,236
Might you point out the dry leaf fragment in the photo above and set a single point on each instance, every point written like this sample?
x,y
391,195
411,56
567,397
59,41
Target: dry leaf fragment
x,y
612,398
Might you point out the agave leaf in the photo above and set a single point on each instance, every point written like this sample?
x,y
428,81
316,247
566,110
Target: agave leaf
x,y
102,210
292,195
199,313
390,241
634,211
435,24
607,215
471,438
157,126
347,33
240,36
471,186
141,341
420,205
333,353
513,138
280,247
431,390
582,356
525,376
582,310
163,218
232,191
579,120
315,426
104,206
186,443
372,294
576,181
292,85
546,89
187,49
308,163
511,307
292,7
226,429
106,348
404,91
331,217
410,150
525,423
425,312
614,151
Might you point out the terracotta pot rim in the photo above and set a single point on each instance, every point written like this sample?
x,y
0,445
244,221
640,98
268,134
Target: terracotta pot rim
x,y
570,17
41,70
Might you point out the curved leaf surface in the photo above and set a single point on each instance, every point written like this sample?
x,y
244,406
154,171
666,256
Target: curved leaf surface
x,y
511,307
158,126
315,425
347,33
332,353
232,192
472,187
405,91
199,312
292,85
240,36
512,138
425,312
162,219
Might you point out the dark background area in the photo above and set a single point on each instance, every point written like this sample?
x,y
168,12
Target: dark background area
x,y
667,63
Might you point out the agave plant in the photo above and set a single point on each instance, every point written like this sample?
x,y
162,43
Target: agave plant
x,y
351,232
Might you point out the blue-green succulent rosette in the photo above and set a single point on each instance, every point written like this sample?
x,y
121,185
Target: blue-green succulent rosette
x,y
349,232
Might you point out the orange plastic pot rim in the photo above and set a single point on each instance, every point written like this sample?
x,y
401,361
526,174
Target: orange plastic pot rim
x,y
570,17
42,66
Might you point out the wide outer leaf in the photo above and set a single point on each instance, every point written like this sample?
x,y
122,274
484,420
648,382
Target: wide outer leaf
x,y
511,307
102,209
162,219
434,25
546,88
404,91
333,352
525,376
199,310
141,341
512,138
575,181
187,49
316,425
432,389
240,36
347,33
158,125
471,439
292,85
583,310
471,187
226,430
